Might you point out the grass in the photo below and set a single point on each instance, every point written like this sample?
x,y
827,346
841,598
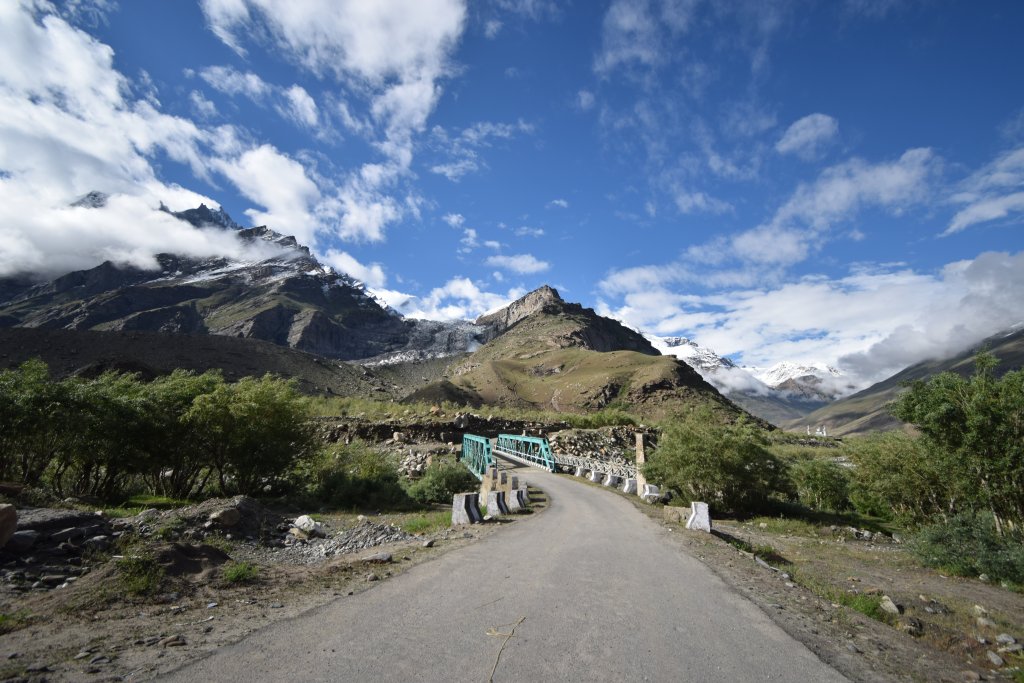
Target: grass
x,y
12,622
147,501
241,572
335,406
139,575
427,522
868,605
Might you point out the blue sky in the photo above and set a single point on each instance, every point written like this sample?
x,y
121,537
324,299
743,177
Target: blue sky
x,y
839,182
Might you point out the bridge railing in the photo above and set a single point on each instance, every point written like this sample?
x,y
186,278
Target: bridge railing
x,y
530,450
617,469
476,454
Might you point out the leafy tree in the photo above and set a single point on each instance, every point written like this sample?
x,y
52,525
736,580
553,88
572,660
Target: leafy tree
x,y
975,428
175,464
34,421
107,444
353,476
897,475
252,431
726,466
821,484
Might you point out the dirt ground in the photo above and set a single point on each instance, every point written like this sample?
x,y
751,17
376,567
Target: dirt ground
x,y
83,632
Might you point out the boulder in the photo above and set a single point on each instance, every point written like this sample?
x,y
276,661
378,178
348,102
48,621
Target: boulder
x,y
309,526
674,514
8,523
228,517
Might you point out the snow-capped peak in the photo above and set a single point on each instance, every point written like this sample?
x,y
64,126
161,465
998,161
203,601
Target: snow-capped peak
x,y
787,370
695,355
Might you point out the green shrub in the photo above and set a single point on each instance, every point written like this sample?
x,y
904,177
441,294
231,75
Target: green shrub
x,y
969,545
440,482
821,484
241,572
726,466
353,476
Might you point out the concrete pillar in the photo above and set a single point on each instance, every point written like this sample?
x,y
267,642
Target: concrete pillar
x,y
641,458
580,472
651,493
466,509
700,517
595,476
496,503
523,494
629,486
610,480
515,506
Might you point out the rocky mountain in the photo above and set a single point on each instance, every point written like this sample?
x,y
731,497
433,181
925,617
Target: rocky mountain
x,y
277,293
546,353
865,411
792,397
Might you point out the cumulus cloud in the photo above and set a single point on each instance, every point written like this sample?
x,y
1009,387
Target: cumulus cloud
x,y
518,263
370,275
852,322
527,231
458,299
558,204
700,202
280,184
808,136
390,55
585,100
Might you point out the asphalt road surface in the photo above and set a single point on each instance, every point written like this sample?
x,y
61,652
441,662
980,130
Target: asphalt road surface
x,y
601,596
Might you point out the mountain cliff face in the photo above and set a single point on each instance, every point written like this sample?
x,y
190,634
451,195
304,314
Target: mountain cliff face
x,y
578,327
282,295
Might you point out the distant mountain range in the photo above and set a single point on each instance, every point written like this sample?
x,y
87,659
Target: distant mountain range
x,y
781,393
865,411
538,352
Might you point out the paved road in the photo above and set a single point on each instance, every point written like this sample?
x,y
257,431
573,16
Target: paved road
x,y
603,600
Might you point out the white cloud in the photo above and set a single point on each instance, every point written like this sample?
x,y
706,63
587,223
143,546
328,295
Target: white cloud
x,y
455,220
991,193
391,55
203,107
806,137
230,81
629,36
68,126
301,107
372,275
585,100
463,150
527,231
558,203
280,184
492,28
700,202
519,263
850,322
458,299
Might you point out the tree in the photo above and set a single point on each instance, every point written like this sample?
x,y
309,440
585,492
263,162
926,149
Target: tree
x,y
35,421
252,431
897,475
975,427
726,466
821,484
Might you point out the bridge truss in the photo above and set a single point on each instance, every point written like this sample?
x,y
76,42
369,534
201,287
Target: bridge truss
x,y
476,454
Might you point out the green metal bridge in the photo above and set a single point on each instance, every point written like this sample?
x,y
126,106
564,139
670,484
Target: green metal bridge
x,y
478,455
